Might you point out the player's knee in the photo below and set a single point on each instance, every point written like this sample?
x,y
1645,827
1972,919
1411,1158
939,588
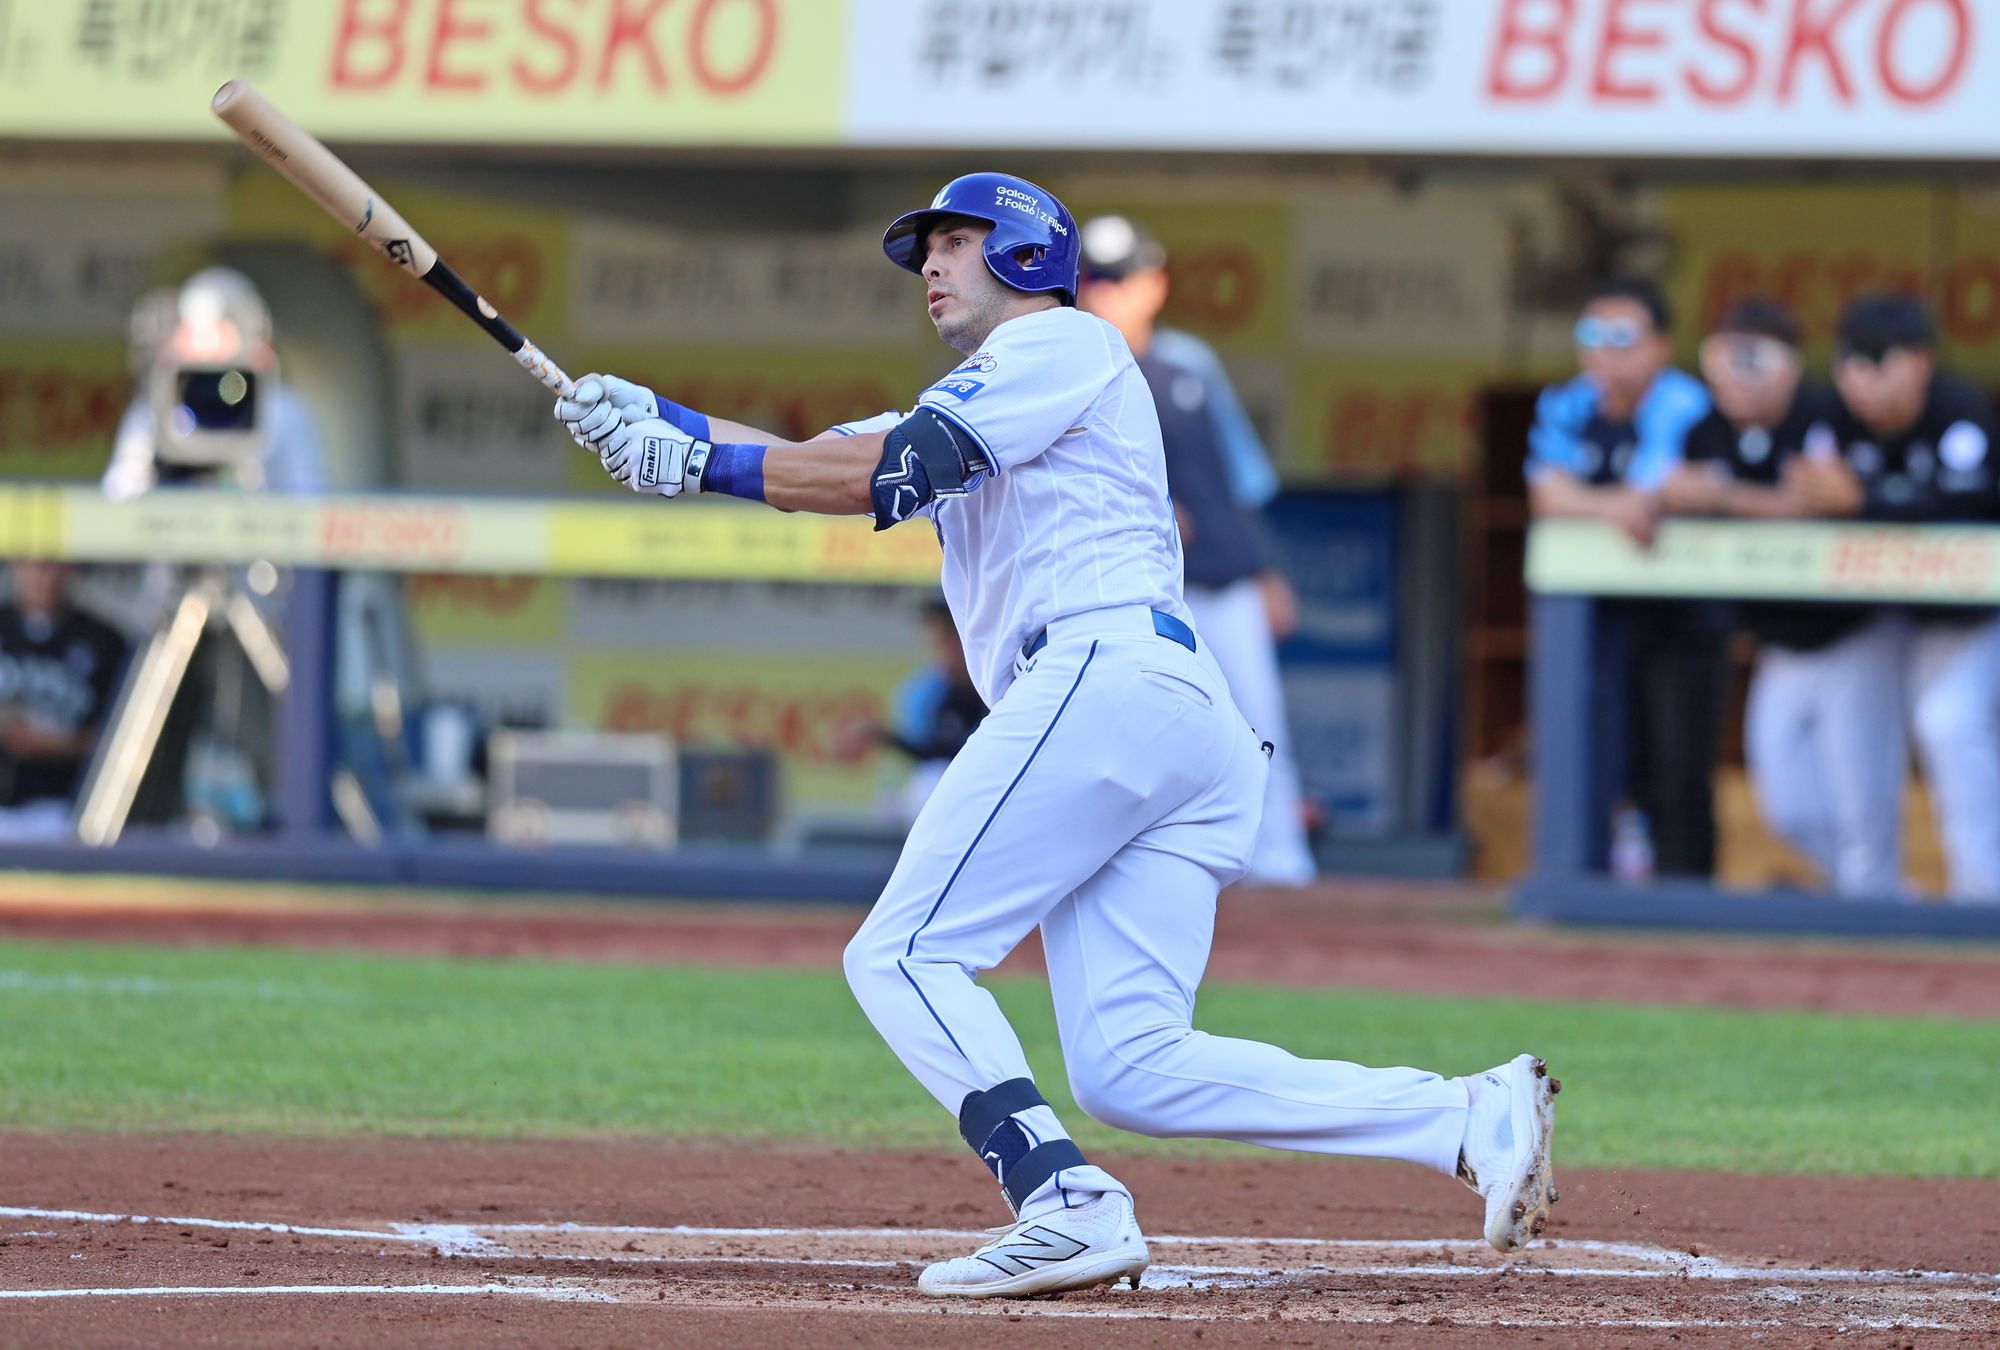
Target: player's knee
x,y
1120,1091
868,962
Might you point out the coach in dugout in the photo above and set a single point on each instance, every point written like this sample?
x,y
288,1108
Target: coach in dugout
x,y
59,669
1601,446
1916,445
1827,765
1240,604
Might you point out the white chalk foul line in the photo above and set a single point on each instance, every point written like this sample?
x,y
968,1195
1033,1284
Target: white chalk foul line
x,y
559,1293
470,1240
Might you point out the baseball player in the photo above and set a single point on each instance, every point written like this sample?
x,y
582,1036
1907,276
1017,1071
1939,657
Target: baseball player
x,y
1917,445
1827,765
1111,790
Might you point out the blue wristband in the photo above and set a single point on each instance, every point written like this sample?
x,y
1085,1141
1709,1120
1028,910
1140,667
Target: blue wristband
x,y
686,419
736,470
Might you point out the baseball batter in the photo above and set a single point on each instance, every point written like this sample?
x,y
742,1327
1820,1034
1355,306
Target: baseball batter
x,y
1110,793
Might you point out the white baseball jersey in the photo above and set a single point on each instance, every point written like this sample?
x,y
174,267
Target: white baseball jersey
x,y
1075,515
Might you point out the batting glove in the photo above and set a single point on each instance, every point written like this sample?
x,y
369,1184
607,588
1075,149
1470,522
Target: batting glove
x,y
656,457
600,404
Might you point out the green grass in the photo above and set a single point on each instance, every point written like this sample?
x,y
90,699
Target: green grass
x,y
127,1038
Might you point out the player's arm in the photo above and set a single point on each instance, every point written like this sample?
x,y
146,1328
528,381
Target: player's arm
x,y
891,473
1553,493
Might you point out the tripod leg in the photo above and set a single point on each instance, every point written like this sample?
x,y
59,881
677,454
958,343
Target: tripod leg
x,y
134,732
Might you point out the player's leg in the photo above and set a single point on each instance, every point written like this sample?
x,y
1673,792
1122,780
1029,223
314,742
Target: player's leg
x,y
1125,955
1862,756
1237,628
1779,747
1677,690
1955,709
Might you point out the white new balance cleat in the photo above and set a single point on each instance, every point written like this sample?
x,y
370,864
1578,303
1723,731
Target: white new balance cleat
x,y
1095,1243
1505,1155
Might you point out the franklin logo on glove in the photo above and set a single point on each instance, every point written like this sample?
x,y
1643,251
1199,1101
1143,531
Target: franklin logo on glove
x,y
649,461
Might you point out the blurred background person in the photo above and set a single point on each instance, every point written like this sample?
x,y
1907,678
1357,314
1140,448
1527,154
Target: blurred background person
x,y
59,669
1600,448
1917,446
1242,607
936,710
1826,764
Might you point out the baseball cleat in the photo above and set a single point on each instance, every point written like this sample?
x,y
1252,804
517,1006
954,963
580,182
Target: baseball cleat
x,y
1093,1244
1509,1128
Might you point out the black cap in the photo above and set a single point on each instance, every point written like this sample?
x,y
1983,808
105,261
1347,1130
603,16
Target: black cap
x,y
1875,325
1761,316
1640,291
1114,247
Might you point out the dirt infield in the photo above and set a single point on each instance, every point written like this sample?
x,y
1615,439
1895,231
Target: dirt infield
x,y
1416,939
550,1243
148,1240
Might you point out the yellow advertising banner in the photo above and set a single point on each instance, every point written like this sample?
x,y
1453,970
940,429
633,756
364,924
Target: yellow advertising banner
x,y
517,257
60,403
813,713
639,72
1813,248
1230,263
486,610
1363,420
1774,560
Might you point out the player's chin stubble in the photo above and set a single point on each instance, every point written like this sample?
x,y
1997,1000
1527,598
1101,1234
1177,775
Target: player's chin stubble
x,y
978,316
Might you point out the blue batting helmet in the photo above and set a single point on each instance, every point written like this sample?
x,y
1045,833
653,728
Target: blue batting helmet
x,y
1033,246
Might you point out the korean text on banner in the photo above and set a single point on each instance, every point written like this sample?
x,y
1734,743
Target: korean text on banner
x,y
583,72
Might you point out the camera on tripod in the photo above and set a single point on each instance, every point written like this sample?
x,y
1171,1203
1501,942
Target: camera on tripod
x,y
208,371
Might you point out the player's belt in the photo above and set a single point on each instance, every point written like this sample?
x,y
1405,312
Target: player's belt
x,y
1166,625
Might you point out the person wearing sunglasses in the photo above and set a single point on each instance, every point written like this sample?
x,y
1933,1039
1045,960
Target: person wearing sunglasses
x,y
1916,445
1826,766
1601,446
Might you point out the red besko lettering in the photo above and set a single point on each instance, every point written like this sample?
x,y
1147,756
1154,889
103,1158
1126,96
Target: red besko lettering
x,y
1504,80
447,31
376,28
1897,80
1619,37
1739,82
1816,30
564,39
630,30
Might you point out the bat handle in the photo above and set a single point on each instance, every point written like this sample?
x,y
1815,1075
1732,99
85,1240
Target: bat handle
x,y
537,364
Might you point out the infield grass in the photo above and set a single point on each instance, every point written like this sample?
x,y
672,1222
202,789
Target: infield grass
x,y
129,1038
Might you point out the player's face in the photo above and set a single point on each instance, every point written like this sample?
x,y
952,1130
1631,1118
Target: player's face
x,y
39,586
1618,347
1887,395
1752,377
966,300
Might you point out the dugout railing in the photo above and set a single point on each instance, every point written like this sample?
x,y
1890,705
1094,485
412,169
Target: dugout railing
x,y
1575,697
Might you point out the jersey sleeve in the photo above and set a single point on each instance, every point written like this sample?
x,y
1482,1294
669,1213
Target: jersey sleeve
x,y
1028,385
1667,414
1555,441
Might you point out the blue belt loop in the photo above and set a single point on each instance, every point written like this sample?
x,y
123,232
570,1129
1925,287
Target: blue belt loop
x,y
1166,625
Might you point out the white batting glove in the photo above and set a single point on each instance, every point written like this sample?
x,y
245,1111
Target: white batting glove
x,y
656,457
600,403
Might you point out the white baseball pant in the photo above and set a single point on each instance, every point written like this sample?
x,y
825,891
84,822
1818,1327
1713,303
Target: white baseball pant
x,y
1238,629
1108,796
1827,754
1953,683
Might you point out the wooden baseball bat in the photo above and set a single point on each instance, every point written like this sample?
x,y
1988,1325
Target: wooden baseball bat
x,y
317,171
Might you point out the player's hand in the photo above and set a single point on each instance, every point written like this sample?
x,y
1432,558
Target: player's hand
x,y
1636,513
651,456
600,405
1823,487
1692,490
1281,604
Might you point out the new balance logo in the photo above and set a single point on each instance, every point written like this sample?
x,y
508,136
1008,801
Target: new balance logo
x,y
1019,1253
